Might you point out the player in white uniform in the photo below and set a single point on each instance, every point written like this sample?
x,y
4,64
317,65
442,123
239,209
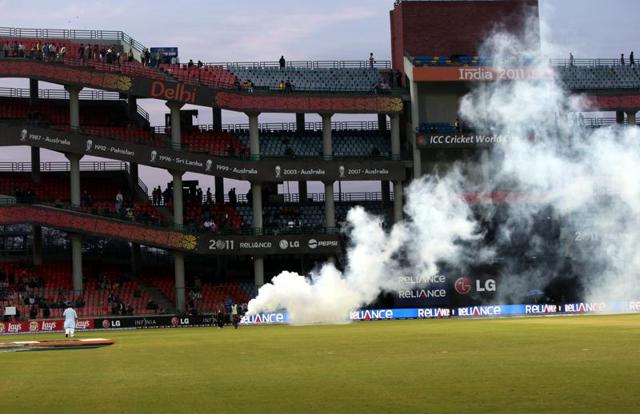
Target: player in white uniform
x,y
70,317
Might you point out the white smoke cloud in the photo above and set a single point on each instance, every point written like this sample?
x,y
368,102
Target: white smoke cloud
x,y
576,221
439,221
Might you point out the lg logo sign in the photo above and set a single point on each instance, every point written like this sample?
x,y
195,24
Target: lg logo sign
x,y
463,285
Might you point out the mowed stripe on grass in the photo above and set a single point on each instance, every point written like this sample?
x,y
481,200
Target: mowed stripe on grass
x,y
560,364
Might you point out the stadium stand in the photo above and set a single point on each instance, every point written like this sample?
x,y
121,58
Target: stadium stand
x,y
346,143
107,290
212,76
315,79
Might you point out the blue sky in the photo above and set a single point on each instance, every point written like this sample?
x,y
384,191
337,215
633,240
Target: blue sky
x,y
249,30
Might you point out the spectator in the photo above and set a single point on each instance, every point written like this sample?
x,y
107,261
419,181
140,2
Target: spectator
x,y
372,61
281,86
282,62
33,312
208,195
622,59
190,64
632,60
570,59
130,56
119,201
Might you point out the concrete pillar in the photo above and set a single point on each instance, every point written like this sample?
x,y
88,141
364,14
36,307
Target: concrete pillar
x,y
398,195
37,245
395,136
327,145
217,119
258,271
256,194
300,123
178,257
33,88
385,192
35,164
76,262
133,175
132,106
303,191
74,105
327,151
178,210
329,206
178,261
258,261
174,108
382,122
136,257
254,135
619,117
631,118
74,161
219,188
411,130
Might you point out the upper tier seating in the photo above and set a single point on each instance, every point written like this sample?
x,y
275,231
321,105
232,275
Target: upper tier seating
x,y
303,79
600,77
346,143
212,76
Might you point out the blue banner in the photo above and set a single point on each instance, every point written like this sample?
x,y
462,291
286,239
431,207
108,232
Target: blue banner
x,y
486,311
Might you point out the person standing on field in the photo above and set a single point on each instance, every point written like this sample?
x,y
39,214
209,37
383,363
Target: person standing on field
x,y
235,318
70,317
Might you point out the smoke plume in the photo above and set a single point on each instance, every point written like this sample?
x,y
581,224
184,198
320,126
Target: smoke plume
x,y
573,219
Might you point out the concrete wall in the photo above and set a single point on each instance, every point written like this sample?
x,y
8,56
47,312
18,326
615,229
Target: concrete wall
x,y
443,28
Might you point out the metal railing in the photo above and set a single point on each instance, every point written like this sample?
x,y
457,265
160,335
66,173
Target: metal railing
x,y
587,62
337,196
307,64
52,166
92,95
241,199
72,34
292,126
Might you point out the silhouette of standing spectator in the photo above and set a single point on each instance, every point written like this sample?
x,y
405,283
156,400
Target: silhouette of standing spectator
x,y
282,62
622,59
632,60
372,61
570,59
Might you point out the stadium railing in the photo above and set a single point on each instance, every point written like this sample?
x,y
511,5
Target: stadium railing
x,y
308,126
586,62
307,64
52,166
72,34
85,94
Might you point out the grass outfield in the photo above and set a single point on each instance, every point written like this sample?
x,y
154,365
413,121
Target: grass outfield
x,y
545,365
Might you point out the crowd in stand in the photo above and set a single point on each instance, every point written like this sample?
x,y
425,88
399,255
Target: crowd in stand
x,y
114,303
29,287
51,52
201,212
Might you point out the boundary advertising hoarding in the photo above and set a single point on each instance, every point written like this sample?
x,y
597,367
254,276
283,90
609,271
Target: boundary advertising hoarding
x,y
273,318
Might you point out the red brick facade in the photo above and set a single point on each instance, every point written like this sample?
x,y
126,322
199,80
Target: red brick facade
x,y
443,28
